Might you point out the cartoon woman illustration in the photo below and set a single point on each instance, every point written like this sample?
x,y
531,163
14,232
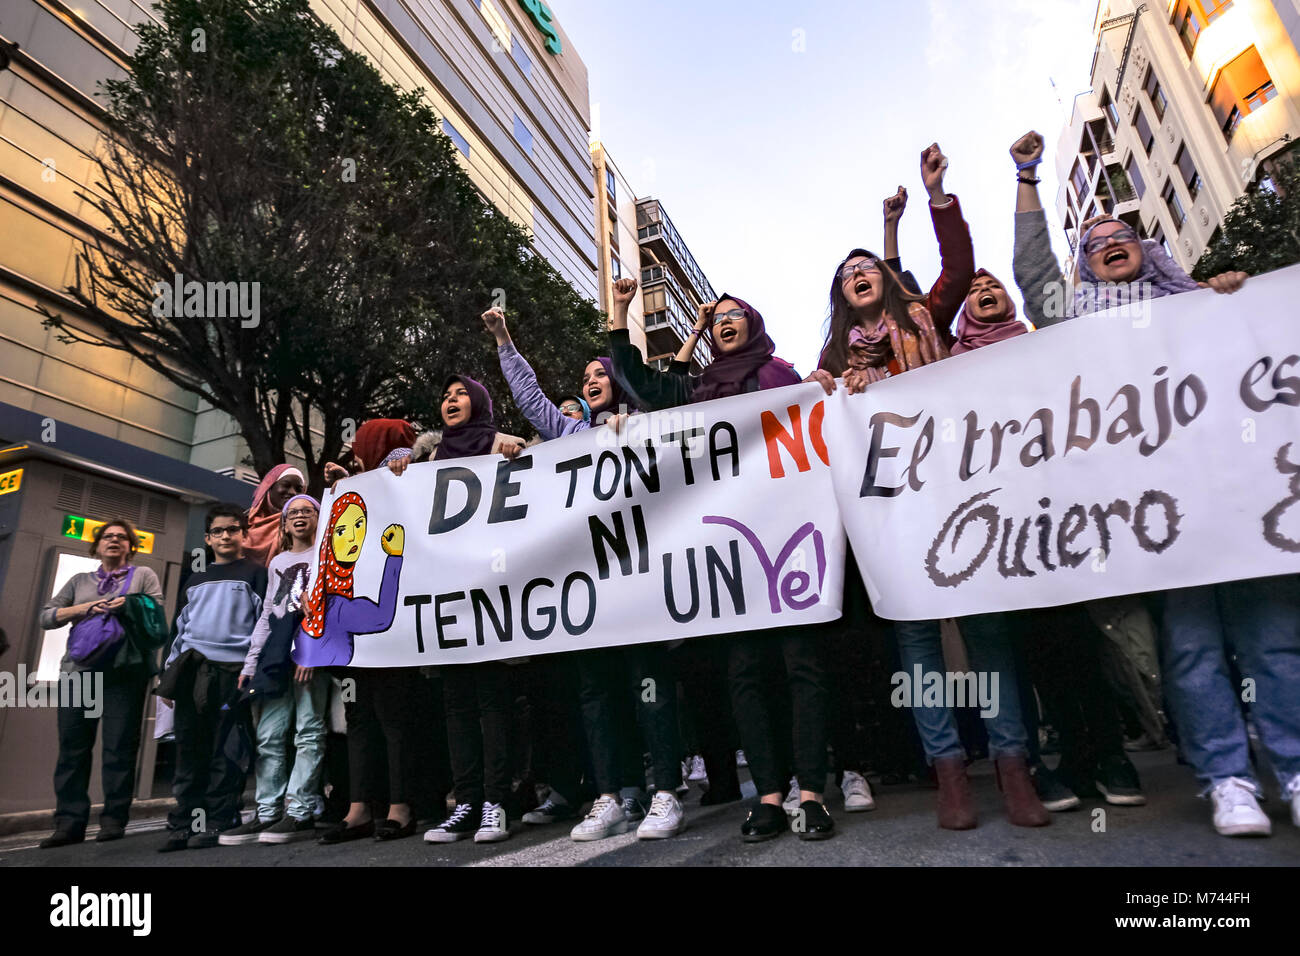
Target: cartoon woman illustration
x,y
332,615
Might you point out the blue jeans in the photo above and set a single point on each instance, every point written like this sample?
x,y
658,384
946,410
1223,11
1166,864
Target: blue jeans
x,y
1259,621
303,707
987,643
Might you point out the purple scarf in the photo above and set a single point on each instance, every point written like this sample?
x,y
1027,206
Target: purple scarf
x,y
621,395
478,434
973,333
1158,271
106,581
729,371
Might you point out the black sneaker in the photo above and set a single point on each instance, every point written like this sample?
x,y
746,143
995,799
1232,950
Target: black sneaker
x,y
287,830
1081,782
1117,779
176,840
550,812
812,821
204,840
109,831
1052,793
765,822
461,825
245,832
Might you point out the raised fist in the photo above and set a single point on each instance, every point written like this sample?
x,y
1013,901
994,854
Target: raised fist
x,y
393,539
1027,148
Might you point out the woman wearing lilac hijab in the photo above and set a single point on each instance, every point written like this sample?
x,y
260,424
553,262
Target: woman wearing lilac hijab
x,y
1259,619
774,737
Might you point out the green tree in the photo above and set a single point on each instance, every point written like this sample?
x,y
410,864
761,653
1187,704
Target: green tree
x,y
247,145
1261,231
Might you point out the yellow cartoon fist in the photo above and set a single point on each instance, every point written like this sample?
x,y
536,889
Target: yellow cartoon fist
x,y
393,539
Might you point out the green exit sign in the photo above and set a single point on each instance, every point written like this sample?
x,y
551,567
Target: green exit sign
x,y
543,19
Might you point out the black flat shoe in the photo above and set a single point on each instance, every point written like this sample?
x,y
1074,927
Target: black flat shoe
x,y
392,830
765,822
62,838
345,834
176,840
812,821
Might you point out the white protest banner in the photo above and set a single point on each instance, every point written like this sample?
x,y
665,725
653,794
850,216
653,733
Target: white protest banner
x,y
1146,448
709,519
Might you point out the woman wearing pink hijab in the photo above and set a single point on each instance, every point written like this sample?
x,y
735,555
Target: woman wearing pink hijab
x,y
279,485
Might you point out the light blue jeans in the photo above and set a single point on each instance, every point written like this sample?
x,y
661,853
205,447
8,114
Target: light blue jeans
x,y
1258,621
989,648
303,708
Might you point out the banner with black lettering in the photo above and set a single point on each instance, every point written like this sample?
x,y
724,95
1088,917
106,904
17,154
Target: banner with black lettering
x,y
1149,447
709,519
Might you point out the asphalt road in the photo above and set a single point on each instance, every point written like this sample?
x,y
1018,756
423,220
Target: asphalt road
x,y
1173,829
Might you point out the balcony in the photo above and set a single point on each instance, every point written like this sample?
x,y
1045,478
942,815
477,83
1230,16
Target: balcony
x,y
669,313
655,232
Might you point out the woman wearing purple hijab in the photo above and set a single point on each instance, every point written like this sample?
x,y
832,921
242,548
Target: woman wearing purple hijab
x,y
476,697
1257,619
744,360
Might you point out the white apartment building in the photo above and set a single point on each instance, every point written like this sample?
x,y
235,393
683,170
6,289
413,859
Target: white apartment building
x,y
1190,102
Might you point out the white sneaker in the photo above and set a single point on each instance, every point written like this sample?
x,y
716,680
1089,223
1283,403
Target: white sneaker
x,y
664,820
494,827
697,771
791,802
741,760
606,818
857,792
1236,811
1292,793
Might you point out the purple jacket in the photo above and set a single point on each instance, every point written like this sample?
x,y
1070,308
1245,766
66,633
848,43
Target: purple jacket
x,y
540,411
346,617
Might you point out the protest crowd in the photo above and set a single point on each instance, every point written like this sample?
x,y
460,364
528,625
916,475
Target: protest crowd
x,y
570,739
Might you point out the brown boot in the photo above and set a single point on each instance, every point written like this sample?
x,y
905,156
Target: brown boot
x,y
956,802
1023,806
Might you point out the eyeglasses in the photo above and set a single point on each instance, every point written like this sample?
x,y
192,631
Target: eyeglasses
x,y
570,407
224,531
114,537
1097,243
850,269
726,318
302,513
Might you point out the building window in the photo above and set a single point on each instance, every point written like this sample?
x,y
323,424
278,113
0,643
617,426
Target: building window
x,y
1187,170
1108,107
1174,205
522,136
1134,174
1157,95
610,186
615,268
1145,136
520,56
1242,87
497,23
1213,9
461,142
1080,180
1158,234
1188,21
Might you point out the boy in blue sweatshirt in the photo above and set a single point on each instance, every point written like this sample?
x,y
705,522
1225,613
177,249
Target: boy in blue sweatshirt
x,y
218,608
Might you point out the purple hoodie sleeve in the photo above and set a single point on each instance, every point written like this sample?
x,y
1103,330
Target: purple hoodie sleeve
x,y
549,421
364,616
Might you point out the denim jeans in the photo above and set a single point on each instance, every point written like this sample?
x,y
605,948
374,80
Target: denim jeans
x,y
300,708
1259,621
987,643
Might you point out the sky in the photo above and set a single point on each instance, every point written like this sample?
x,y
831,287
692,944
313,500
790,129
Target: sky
x,y
773,131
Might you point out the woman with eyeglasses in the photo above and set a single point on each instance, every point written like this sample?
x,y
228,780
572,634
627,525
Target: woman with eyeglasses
x,y
121,708
777,676
1202,629
877,329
